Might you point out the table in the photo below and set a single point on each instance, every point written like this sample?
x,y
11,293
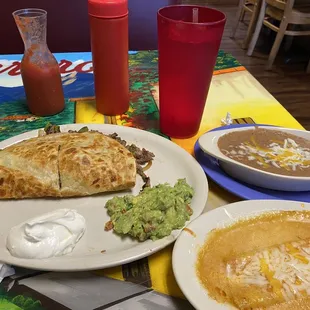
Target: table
x,y
147,283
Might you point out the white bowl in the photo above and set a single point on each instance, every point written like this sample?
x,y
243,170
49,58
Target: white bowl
x,y
254,176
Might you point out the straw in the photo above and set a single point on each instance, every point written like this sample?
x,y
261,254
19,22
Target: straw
x,y
195,15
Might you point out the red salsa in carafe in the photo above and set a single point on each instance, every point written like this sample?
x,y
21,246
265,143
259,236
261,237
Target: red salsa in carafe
x,y
43,87
39,68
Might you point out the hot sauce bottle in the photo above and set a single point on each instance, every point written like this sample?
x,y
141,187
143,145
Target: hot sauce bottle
x,y
109,44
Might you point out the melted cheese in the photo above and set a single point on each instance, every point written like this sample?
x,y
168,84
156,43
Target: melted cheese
x,y
284,268
287,156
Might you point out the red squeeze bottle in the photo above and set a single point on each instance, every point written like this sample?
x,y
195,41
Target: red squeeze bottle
x,y
109,44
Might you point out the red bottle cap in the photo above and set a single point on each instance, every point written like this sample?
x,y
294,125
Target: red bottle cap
x,y
108,8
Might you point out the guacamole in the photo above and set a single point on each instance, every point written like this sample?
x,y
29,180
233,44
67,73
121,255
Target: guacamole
x,y
154,213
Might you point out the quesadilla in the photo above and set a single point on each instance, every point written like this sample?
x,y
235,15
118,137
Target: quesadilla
x,y
65,165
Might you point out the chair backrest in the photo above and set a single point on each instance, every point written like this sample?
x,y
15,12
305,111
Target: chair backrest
x,y
286,4
284,9
67,26
279,4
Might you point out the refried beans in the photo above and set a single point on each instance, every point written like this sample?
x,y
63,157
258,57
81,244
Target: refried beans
x,y
268,150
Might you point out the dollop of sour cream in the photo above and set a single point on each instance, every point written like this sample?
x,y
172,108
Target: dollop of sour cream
x,y
52,234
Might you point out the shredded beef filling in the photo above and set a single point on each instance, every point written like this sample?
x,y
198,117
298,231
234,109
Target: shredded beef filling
x,y
142,157
49,128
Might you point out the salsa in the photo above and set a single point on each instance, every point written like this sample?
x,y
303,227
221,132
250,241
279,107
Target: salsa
x,y
42,83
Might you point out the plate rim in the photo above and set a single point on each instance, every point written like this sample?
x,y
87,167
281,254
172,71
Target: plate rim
x,y
105,128
209,217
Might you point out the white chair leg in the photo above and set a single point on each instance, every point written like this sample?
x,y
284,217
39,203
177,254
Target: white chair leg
x,y
258,28
242,15
289,39
251,27
288,43
308,68
277,43
238,17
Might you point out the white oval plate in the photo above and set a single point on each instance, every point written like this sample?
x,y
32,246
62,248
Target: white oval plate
x,y
187,246
98,248
208,143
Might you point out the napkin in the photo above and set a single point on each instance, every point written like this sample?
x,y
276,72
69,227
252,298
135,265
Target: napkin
x,y
227,120
5,271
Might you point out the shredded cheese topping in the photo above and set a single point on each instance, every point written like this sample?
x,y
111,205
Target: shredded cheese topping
x,y
287,155
284,269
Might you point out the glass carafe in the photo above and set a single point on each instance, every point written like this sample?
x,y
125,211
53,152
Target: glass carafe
x,y
39,68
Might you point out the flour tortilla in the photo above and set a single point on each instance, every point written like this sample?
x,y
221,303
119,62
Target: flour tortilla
x,y
65,165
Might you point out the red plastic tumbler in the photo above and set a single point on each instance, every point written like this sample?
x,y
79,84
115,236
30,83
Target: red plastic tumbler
x,y
189,37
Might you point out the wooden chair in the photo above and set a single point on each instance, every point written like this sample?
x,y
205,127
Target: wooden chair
x,y
246,6
290,16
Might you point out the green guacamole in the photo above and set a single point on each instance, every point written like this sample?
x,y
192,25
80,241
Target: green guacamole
x,y
154,213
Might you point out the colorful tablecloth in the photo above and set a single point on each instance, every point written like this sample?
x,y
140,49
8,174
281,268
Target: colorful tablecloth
x,y
148,283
